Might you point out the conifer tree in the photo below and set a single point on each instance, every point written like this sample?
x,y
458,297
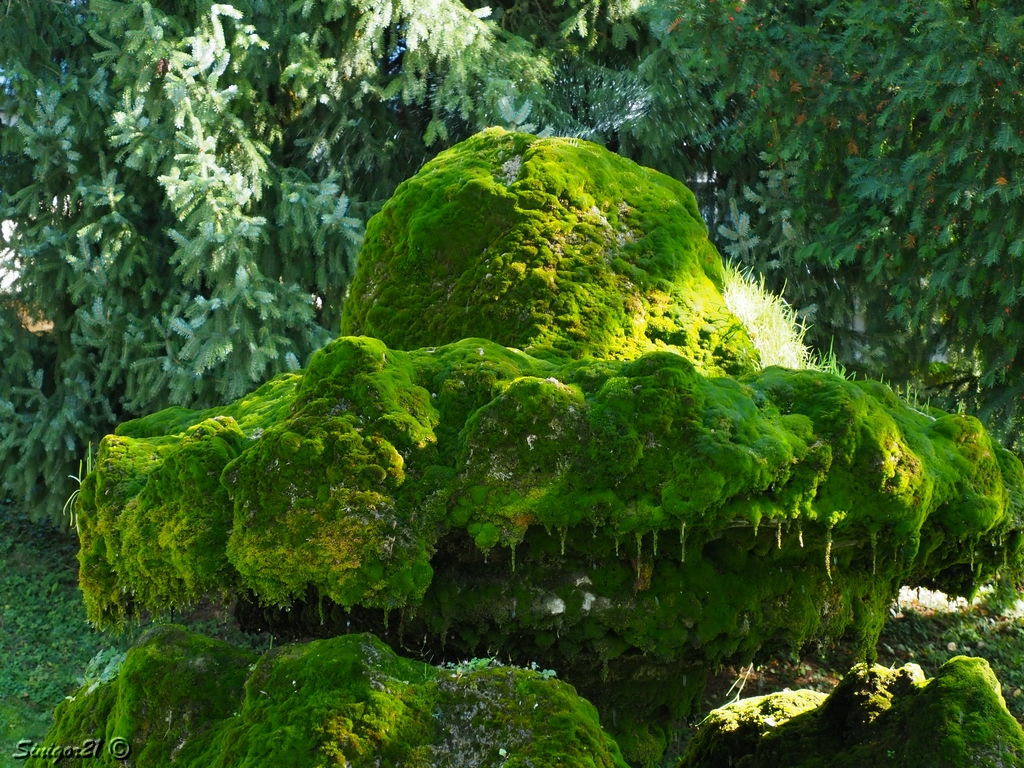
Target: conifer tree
x,y
878,151
188,181
187,184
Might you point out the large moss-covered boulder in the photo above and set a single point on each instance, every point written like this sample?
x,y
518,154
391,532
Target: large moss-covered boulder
x,y
185,700
875,716
612,506
616,520
554,246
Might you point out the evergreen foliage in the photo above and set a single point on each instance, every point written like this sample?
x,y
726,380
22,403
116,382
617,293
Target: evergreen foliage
x,y
188,180
187,183
888,186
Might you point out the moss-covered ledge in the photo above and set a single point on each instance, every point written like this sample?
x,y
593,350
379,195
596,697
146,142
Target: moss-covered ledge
x,y
610,519
345,479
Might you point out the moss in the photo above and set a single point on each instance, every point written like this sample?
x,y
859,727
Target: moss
x,y
153,702
605,501
733,733
577,252
875,716
617,520
351,490
157,496
177,526
265,405
187,700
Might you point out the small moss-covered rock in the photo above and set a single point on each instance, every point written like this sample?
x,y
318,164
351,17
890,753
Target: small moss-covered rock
x,y
183,699
555,246
875,716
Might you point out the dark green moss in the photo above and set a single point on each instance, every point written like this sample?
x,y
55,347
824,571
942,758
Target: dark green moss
x,y
875,716
182,699
555,246
173,690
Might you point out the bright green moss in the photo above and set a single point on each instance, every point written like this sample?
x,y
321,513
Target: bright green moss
x,y
732,733
177,526
606,502
182,699
350,492
160,500
875,716
556,246
625,522
253,412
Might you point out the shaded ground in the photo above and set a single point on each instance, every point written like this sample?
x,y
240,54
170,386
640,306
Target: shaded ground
x,y
44,640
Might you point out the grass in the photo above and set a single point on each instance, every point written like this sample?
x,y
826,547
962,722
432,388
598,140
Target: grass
x,y
45,641
773,325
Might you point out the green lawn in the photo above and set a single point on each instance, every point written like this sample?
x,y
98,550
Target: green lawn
x,y
45,642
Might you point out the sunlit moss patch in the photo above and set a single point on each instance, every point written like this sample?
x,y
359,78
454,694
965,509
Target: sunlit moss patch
x,y
578,253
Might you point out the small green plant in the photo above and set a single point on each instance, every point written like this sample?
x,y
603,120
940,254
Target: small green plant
x,y
71,506
514,116
772,324
547,674
102,668
460,668
828,363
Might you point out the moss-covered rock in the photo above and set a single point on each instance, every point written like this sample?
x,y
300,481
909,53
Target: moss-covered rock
x,y
375,455
616,520
875,716
555,246
186,700
158,494
611,506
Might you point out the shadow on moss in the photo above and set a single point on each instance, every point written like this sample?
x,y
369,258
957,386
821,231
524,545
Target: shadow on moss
x,y
187,700
875,716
